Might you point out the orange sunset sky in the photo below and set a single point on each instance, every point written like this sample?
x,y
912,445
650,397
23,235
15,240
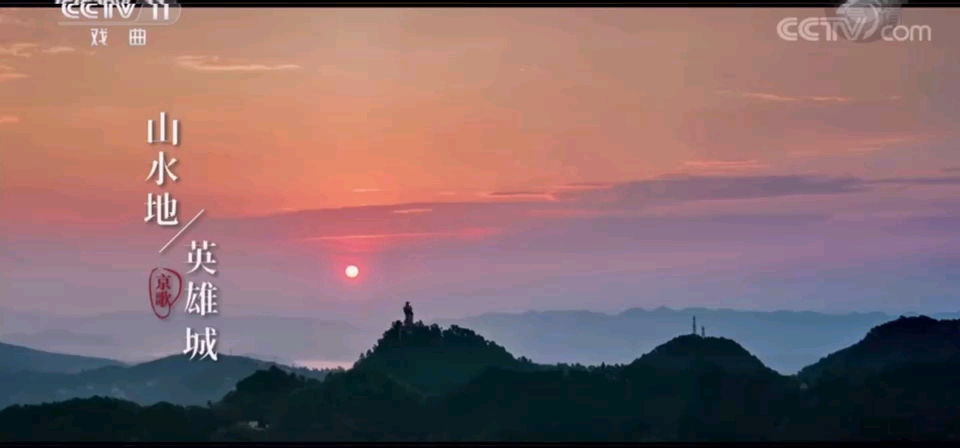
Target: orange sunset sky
x,y
485,159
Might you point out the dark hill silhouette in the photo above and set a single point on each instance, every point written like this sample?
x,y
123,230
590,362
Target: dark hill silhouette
x,y
910,401
907,340
692,352
435,360
560,404
357,405
101,419
14,358
258,397
708,388
688,389
786,341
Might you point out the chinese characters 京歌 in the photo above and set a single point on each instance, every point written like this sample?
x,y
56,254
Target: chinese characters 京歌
x,y
166,286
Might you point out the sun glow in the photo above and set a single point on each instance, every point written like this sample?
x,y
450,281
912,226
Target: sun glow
x,y
352,271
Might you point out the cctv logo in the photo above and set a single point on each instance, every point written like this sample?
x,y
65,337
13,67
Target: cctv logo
x,y
75,9
86,9
791,28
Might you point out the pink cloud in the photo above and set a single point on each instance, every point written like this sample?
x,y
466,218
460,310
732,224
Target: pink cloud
x,y
378,242
213,64
724,165
9,119
409,211
59,49
469,232
860,146
11,20
579,213
780,98
8,73
584,186
526,195
19,49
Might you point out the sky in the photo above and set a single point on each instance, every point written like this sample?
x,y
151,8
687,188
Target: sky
x,y
478,160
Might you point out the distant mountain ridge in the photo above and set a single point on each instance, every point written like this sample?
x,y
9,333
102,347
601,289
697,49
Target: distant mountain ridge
x,y
140,336
14,358
174,379
426,384
785,340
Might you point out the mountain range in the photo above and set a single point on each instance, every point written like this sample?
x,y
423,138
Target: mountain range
x,y
785,340
427,383
14,359
32,376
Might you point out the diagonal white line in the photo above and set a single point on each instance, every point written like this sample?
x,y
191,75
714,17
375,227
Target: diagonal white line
x,y
182,229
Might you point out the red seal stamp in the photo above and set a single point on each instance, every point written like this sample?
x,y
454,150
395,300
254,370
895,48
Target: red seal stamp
x,y
165,285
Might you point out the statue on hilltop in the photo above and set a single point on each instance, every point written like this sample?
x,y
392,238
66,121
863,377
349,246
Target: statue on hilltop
x,y
407,315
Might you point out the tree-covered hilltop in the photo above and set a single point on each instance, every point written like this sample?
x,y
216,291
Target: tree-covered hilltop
x,y
102,419
691,351
259,397
907,340
423,383
433,359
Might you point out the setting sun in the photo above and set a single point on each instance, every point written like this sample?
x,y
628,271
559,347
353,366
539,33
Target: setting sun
x,y
352,271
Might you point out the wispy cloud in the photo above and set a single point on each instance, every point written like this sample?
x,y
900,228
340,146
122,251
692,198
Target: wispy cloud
x,y
829,99
8,73
701,188
19,49
30,49
947,180
58,50
723,165
540,195
473,232
780,98
857,147
213,64
10,20
412,211
584,186
365,190
627,212
579,213
9,119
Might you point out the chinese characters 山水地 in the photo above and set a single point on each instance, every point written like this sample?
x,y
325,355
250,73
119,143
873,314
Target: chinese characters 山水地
x,y
162,208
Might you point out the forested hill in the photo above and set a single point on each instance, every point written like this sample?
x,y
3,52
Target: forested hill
x,y
906,340
435,360
424,383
